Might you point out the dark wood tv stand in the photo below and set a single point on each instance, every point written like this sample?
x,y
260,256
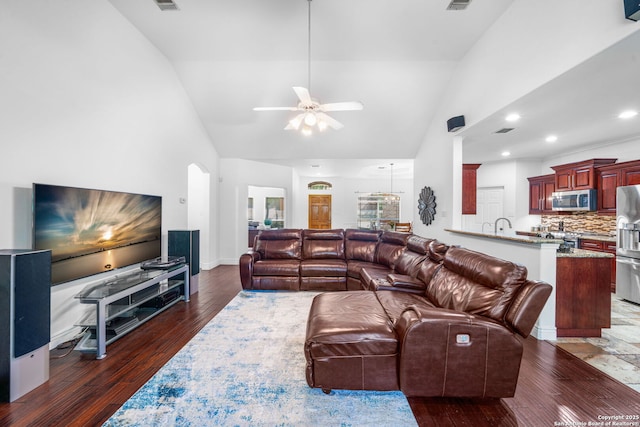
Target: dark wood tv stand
x,y
126,301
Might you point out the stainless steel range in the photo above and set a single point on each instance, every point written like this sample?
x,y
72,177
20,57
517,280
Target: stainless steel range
x,y
628,243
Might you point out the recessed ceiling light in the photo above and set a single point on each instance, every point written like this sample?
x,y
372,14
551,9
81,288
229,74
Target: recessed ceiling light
x,y
627,114
505,154
551,138
513,117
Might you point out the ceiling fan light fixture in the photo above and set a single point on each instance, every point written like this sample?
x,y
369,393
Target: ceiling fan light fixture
x,y
310,119
628,114
312,113
296,121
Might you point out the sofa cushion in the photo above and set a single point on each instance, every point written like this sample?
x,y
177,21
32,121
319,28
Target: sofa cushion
x,y
390,247
323,244
409,261
361,245
434,260
476,283
350,343
279,244
323,267
272,267
349,323
402,282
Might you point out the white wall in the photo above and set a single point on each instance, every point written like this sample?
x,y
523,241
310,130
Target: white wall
x,y
512,175
530,44
87,101
236,175
344,198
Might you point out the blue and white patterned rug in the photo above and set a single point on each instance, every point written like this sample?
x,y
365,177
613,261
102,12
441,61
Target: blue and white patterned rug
x,y
247,368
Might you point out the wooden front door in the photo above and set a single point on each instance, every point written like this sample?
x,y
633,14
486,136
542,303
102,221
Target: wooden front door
x,y
319,212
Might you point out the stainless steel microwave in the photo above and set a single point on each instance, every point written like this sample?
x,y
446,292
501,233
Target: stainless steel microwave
x,y
579,200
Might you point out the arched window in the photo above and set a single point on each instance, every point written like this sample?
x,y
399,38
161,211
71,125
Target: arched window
x,y
319,185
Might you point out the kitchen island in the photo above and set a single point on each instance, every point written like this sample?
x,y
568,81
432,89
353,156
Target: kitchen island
x,y
578,299
583,293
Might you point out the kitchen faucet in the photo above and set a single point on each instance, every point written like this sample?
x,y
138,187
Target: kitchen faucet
x,y
483,224
495,224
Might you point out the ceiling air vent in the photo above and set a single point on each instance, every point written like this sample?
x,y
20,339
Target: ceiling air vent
x,y
166,5
458,4
504,130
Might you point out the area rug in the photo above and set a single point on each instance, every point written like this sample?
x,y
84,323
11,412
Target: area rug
x,y
247,368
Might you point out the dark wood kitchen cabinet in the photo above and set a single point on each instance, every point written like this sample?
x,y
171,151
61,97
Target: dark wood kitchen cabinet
x,y
630,173
609,178
583,300
602,246
540,190
579,175
469,184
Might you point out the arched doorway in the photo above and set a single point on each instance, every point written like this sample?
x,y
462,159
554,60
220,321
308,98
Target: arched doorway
x,y
198,209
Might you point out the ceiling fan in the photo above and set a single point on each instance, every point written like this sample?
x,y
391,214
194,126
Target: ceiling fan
x,y
312,113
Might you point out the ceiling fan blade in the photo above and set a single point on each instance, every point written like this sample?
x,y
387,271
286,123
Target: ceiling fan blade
x,y
303,94
295,122
275,109
330,121
342,106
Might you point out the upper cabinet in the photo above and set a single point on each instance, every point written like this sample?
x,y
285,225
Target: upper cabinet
x,y
609,178
540,189
469,188
630,173
579,175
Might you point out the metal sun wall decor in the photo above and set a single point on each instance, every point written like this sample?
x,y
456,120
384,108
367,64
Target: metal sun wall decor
x,y
427,205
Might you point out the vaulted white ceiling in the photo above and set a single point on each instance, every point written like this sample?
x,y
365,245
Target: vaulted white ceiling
x,y
394,56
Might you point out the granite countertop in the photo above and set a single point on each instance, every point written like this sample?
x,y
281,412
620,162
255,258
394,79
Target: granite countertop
x,y
583,253
509,236
600,237
517,237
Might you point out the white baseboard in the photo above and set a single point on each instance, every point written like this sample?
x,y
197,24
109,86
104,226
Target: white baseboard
x,y
209,265
549,334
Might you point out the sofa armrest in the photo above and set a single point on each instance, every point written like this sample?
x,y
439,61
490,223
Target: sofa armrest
x,y
450,353
527,306
401,282
247,260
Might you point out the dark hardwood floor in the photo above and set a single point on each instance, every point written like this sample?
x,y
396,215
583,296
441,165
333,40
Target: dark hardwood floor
x,y
554,386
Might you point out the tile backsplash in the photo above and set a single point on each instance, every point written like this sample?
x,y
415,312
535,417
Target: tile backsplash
x,y
582,222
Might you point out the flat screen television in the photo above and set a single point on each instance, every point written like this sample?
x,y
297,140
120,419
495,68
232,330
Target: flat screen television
x,y
94,231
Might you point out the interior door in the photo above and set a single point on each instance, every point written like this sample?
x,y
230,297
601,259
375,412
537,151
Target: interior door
x,y
320,211
490,206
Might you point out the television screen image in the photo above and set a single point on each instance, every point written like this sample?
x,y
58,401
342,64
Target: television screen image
x,y
93,231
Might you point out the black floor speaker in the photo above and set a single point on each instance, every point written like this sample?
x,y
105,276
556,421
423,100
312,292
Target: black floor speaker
x,y
25,321
186,243
632,9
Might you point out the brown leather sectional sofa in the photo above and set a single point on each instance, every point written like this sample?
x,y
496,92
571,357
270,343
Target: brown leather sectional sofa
x,y
417,315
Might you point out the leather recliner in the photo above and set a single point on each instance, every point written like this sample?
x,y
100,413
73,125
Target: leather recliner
x,y
461,337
